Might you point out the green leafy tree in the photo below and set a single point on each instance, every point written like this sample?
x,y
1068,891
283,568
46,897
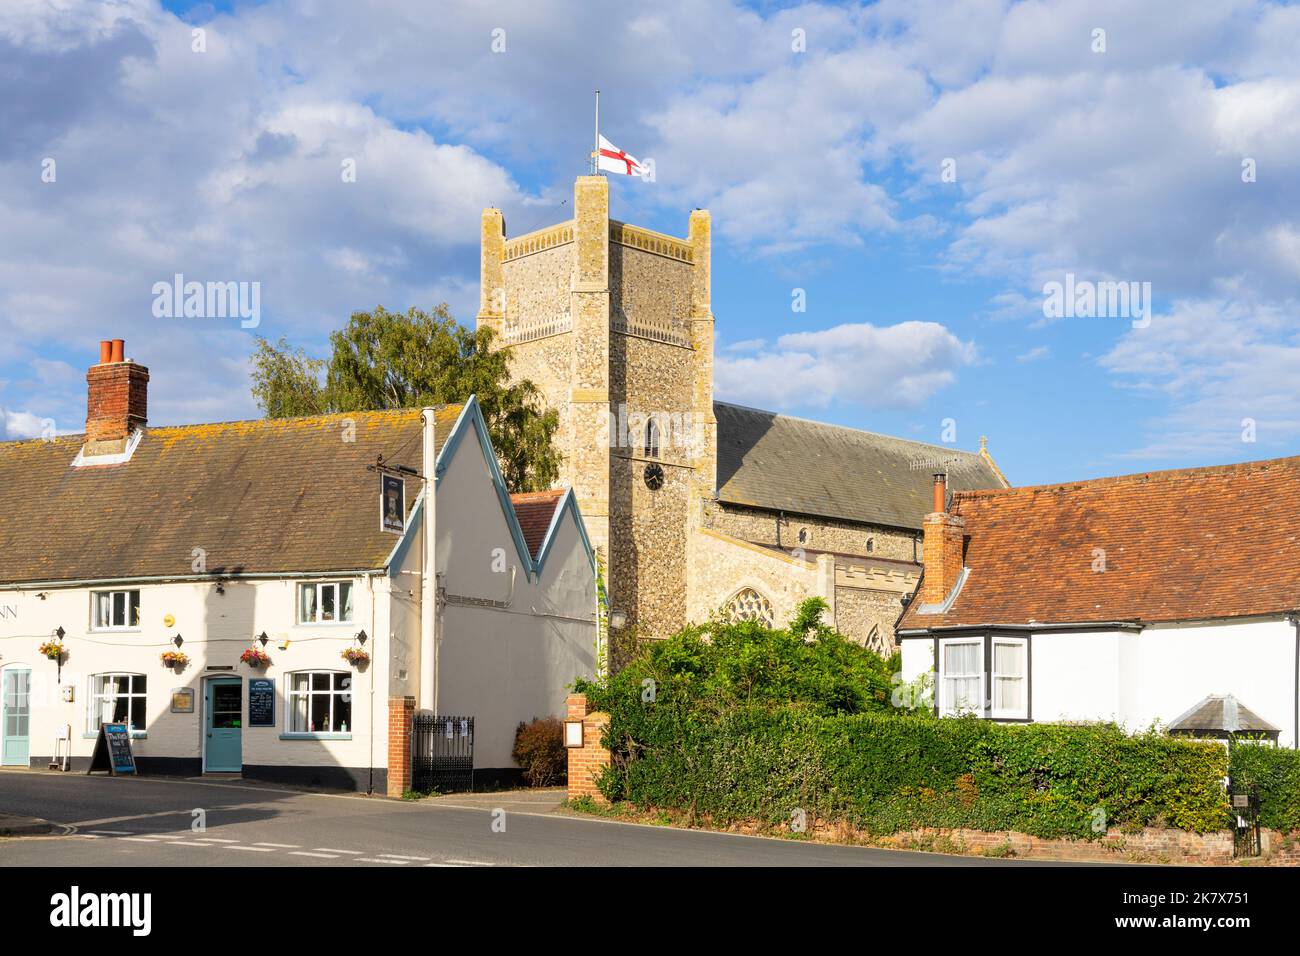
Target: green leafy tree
x,y
392,360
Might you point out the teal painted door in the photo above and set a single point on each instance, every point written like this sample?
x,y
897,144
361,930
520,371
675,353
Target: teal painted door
x,y
15,717
223,723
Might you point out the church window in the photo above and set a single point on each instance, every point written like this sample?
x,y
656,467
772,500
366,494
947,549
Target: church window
x,y
871,545
651,439
749,605
803,535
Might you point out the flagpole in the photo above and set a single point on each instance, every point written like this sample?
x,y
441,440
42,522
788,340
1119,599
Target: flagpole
x,y
595,153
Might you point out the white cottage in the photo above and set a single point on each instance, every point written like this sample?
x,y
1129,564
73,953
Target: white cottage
x,y
1131,599
220,542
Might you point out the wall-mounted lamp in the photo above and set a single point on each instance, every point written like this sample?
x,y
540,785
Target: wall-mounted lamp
x,y
58,632
178,640
617,619
361,637
263,638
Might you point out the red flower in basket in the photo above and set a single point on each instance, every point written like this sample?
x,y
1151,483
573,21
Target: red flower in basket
x,y
255,658
175,658
51,649
356,656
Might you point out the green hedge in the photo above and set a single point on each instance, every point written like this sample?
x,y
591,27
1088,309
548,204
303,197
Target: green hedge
x,y
1276,774
887,773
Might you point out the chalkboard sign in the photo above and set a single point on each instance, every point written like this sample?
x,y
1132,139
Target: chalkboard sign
x,y
261,702
113,750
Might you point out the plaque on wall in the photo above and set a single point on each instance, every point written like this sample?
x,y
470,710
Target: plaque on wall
x,y
182,700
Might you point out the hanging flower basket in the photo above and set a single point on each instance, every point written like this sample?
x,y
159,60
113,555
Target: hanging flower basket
x,y
356,656
175,659
51,649
255,658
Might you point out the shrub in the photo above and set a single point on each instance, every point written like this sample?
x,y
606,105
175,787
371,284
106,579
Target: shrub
x,y
1275,773
539,750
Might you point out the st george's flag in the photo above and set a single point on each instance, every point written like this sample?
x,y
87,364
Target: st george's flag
x,y
613,160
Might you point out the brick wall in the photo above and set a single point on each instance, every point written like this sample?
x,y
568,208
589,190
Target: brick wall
x,y
116,400
586,762
401,710
942,555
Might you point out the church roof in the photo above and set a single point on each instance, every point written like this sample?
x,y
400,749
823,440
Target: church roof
x,y
261,496
780,463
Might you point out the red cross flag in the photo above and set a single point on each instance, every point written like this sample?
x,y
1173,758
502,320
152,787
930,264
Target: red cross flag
x,y
614,160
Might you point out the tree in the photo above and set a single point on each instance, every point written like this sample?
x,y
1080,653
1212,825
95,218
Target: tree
x,y
390,360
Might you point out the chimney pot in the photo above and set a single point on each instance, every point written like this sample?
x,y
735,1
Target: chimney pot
x,y
105,352
119,350
942,547
940,492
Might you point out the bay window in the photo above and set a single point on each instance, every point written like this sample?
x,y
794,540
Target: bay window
x,y
987,675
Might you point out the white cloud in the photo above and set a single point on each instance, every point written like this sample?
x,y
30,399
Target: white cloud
x,y
894,366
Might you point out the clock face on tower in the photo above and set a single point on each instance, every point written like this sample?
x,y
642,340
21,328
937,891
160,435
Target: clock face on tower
x,y
654,476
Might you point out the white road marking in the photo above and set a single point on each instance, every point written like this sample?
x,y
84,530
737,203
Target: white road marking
x,y
280,846
323,856
138,839
110,832
369,859
400,856
471,863
165,836
216,840
250,849
327,849
190,843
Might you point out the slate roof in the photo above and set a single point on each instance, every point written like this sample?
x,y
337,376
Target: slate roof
x,y
779,463
263,496
1191,544
1221,713
535,511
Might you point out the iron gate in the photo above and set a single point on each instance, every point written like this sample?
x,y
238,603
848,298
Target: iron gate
x,y
1245,805
444,753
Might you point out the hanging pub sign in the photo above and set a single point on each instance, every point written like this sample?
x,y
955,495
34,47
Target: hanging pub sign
x,y
113,751
392,503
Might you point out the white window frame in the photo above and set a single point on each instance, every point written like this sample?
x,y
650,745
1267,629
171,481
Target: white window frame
x,y
128,626
339,604
95,699
1022,712
291,695
946,708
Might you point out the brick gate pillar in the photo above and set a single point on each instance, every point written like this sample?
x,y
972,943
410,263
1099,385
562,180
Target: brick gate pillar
x,y
401,711
586,762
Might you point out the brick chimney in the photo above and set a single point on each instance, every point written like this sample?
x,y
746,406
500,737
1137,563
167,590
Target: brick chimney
x,y
116,396
942,547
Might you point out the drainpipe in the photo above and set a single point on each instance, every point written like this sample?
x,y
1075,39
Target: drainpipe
x,y
1295,740
374,653
429,577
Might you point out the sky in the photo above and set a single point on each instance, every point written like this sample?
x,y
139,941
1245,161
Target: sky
x,y
916,175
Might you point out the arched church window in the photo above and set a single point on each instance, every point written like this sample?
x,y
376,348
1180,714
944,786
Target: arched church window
x,y
651,439
803,535
749,605
871,545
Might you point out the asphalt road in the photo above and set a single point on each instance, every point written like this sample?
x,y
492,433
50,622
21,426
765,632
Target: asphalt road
x,y
149,822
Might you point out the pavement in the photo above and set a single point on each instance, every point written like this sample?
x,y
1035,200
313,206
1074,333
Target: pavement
x,y
158,821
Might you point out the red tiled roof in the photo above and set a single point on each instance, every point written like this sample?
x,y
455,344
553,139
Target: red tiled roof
x,y
1177,545
535,510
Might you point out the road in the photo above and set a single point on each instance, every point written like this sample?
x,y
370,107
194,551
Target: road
x,y
149,822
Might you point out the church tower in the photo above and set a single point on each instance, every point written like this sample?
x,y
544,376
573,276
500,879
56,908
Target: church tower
x,y
614,325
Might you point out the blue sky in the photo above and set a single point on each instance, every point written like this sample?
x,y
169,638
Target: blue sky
x,y
817,134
